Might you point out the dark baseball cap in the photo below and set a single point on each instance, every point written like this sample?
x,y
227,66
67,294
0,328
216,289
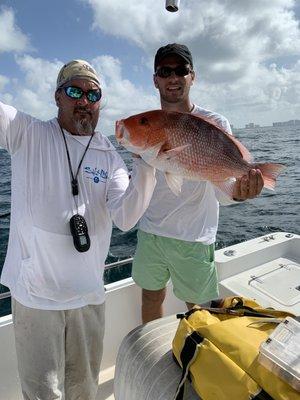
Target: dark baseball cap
x,y
173,49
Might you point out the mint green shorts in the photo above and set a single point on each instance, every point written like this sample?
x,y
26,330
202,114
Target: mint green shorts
x,y
190,265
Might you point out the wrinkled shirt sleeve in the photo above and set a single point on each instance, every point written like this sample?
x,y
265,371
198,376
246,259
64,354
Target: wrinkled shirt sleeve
x,y
13,126
128,199
223,198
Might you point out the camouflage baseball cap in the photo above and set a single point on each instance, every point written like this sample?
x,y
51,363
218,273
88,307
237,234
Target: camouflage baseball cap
x,y
76,69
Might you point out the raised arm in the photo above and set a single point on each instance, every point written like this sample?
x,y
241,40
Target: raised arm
x,y
13,125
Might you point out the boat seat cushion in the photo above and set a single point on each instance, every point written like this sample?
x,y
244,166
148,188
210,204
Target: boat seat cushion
x,y
145,368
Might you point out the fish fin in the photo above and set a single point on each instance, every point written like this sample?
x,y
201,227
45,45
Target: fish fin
x,y
174,182
226,186
244,152
151,153
168,154
270,172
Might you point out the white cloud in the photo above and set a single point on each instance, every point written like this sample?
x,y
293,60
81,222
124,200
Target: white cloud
x,y
246,56
267,94
121,97
35,93
3,81
216,31
40,74
239,49
11,37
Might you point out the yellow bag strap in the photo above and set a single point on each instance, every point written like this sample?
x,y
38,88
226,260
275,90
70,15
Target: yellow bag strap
x,y
187,356
240,311
238,306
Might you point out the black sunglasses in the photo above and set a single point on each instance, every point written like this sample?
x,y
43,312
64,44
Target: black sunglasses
x,y
165,72
93,95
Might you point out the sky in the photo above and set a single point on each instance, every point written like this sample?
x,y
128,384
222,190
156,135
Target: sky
x,y
246,54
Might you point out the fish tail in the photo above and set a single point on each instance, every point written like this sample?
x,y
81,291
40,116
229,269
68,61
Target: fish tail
x,y
270,172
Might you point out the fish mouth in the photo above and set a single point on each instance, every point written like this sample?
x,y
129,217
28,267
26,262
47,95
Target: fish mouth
x,y
123,137
120,131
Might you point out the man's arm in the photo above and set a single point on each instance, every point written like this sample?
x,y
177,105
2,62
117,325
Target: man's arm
x,y
128,202
13,124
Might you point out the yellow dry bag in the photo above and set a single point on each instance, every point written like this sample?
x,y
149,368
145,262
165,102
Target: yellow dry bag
x,y
218,349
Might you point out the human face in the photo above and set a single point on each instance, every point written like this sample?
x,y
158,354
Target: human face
x,y
77,116
174,89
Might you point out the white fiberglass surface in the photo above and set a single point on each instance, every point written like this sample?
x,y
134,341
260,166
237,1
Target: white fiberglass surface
x,y
274,284
279,279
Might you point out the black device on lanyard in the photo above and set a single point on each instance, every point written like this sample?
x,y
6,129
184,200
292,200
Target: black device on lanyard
x,y
78,225
79,231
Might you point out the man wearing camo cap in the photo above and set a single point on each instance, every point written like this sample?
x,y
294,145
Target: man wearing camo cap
x,y
69,185
77,69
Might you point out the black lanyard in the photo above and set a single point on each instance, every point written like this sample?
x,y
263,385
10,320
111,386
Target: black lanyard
x,y
74,181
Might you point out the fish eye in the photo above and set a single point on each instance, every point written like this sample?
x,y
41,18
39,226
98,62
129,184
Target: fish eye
x,y
143,121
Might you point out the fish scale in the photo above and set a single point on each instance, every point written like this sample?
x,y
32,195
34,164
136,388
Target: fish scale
x,y
188,146
202,142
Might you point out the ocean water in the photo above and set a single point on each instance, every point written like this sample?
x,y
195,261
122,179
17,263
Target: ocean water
x,y
272,211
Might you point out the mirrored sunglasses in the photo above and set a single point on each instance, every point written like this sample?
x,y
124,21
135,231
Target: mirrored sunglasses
x,y
165,72
76,93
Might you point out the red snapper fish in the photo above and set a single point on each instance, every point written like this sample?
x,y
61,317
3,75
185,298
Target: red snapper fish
x,y
187,146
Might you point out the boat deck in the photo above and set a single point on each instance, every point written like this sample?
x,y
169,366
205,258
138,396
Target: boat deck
x,y
106,384
266,269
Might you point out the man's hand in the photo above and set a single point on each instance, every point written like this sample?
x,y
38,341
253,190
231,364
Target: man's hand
x,y
248,186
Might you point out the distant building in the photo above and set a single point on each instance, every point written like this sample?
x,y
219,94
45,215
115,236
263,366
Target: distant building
x,y
251,125
292,122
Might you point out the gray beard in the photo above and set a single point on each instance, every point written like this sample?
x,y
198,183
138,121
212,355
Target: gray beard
x,y
84,127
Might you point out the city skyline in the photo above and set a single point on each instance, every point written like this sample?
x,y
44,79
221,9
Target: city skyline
x,y
292,122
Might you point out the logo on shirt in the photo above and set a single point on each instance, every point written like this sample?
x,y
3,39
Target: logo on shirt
x,y
96,175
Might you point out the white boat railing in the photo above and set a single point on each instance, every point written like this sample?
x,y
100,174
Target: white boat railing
x,y
5,215
115,264
228,253
4,295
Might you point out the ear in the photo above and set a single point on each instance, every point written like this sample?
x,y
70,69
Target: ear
x,y
57,97
155,81
193,77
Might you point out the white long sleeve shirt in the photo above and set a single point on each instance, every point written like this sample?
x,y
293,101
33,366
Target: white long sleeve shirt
x,y
42,267
193,215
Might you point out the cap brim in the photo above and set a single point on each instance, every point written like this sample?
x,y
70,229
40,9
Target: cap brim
x,y
85,77
174,54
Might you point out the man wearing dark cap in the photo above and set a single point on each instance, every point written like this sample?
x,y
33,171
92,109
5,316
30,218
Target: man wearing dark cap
x,y
177,233
68,185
